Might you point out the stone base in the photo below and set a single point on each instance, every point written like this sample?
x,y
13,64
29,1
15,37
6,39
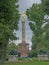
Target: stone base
x,y
13,58
24,49
42,57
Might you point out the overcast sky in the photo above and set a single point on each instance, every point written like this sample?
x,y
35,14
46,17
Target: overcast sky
x,y
23,5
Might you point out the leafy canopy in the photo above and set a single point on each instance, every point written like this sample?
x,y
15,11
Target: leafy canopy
x,y
45,4
36,15
9,16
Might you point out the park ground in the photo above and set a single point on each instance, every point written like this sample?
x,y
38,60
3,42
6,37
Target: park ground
x,y
31,62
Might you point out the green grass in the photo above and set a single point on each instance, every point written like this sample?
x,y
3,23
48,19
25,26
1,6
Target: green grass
x,y
30,62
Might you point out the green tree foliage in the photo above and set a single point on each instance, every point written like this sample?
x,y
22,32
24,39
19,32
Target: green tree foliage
x,y
45,4
36,15
30,54
8,21
11,46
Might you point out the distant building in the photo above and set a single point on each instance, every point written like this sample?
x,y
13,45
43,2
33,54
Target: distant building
x,y
23,47
42,55
13,56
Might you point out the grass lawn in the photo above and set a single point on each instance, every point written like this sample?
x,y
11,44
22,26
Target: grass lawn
x,y
32,62
28,63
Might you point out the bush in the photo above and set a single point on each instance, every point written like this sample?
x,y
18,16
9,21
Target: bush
x,y
22,59
19,54
30,54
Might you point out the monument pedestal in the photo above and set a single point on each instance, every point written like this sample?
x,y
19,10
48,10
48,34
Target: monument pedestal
x,y
24,49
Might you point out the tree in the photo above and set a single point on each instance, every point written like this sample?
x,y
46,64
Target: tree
x,y
30,54
45,4
36,15
8,23
11,46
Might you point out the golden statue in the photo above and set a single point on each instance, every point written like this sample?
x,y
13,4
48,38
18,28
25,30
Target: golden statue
x,y
23,17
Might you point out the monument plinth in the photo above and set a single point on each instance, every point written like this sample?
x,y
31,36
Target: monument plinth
x,y
23,47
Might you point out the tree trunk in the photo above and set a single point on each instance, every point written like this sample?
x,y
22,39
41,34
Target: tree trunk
x,y
3,57
2,54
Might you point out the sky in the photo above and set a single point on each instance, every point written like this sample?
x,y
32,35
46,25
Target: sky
x,y
23,6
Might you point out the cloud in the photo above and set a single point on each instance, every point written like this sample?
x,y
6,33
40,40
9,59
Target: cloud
x,y
17,41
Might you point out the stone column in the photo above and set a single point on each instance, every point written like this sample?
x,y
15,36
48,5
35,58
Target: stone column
x,y
23,27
